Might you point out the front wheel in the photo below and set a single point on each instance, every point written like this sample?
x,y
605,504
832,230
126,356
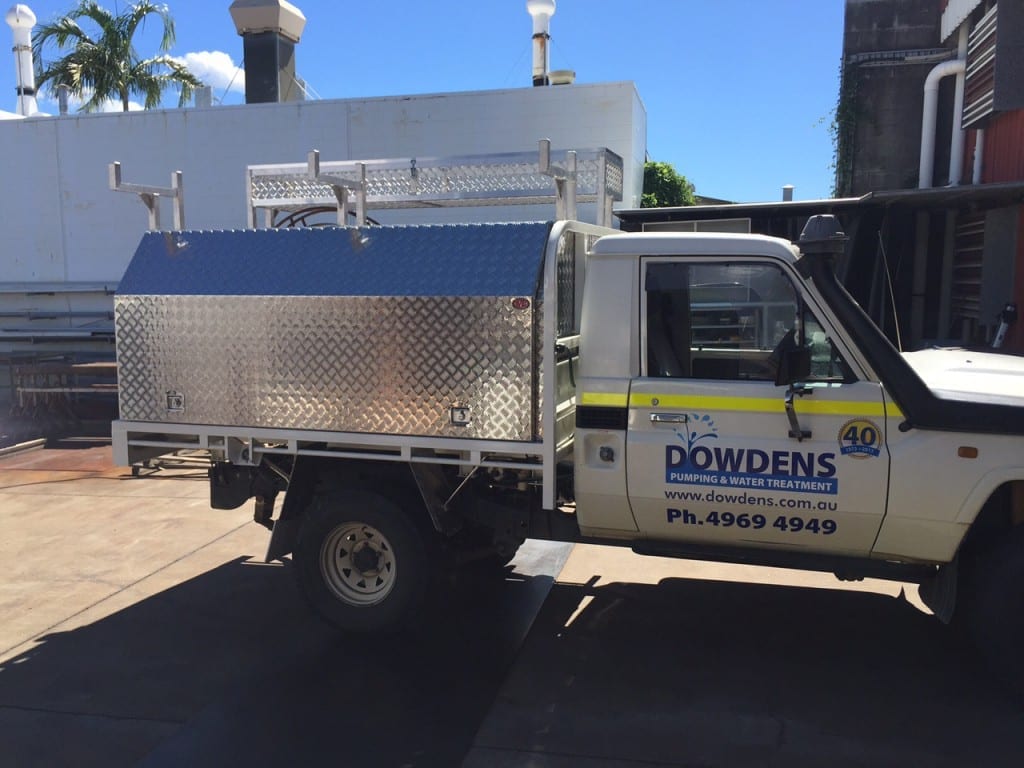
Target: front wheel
x,y
361,562
990,605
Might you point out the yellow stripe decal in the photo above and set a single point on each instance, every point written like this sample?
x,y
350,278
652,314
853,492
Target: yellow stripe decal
x,y
757,404
608,399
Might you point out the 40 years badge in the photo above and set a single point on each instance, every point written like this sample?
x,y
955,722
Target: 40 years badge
x,y
860,439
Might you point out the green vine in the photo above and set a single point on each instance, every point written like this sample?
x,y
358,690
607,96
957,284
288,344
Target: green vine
x,y
843,130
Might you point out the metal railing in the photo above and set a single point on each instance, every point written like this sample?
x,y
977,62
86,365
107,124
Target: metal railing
x,y
354,187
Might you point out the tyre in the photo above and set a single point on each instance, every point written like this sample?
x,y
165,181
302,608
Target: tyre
x,y
361,562
990,606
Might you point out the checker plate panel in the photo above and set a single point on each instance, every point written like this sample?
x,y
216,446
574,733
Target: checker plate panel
x,y
382,364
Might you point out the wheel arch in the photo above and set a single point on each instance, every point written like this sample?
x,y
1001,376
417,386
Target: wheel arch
x,y
993,508
311,474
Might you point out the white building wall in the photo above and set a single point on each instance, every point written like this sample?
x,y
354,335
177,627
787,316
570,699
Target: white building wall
x,y
62,224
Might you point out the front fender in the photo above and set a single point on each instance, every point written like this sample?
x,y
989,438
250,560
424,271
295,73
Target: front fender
x,y
984,489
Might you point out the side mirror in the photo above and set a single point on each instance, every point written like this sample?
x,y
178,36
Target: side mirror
x,y
794,365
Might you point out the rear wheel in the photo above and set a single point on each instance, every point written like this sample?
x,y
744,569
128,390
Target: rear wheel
x,y
361,562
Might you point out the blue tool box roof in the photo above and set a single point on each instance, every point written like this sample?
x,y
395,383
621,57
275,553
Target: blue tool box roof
x,y
429,260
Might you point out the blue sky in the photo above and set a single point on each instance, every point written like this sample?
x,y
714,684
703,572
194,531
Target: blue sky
x,y
739,93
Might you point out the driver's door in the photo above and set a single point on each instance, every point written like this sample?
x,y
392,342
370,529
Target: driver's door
x,y
713,455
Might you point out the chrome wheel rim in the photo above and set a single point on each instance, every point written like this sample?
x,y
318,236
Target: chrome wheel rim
x,y
358,564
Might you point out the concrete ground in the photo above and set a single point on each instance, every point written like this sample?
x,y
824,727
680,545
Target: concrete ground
x,y
638,662
140,628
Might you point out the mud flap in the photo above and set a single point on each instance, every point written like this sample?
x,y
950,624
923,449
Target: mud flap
x,y
285,531
939,591
282,538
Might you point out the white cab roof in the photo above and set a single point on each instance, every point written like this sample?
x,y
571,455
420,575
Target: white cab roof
x,y
690,243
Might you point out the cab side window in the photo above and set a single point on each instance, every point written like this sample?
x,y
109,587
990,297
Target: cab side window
x,y
724,321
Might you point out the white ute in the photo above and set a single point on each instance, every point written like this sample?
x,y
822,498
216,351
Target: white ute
x,y
426,396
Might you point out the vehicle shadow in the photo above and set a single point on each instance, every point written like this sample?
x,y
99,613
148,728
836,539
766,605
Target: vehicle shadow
x,y
691,672
230,667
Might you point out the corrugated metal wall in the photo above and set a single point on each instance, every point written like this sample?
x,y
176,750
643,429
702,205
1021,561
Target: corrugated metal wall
x,y
1004,148
1015,338
1004,161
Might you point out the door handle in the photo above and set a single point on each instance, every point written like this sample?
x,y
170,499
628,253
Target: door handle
x,y
669,418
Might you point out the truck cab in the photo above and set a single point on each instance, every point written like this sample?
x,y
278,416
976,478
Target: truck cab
x,y
715,451
723,447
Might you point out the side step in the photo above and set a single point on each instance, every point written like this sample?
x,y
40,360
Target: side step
x,y
845,568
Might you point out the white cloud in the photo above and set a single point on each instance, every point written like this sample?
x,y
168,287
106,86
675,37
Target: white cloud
x,y
216,69
213,68
110,105
113,105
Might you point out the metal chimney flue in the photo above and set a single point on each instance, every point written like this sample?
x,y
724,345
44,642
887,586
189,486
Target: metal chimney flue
x,y
203,97
270,30
541,11
21,20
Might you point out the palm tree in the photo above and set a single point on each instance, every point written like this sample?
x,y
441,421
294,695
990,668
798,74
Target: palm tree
x,y
107,67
